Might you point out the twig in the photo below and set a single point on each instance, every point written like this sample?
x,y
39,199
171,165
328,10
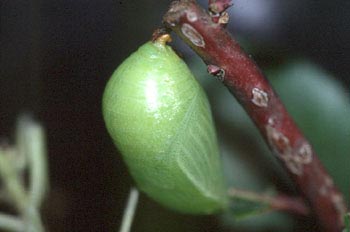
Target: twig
x,y
280,202
129,210
245,81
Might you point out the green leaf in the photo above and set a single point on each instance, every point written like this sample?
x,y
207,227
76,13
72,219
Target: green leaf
x,y
269,221
245,204
347,222
242,208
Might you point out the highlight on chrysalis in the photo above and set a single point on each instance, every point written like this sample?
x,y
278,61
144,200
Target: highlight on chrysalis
x,y
160,120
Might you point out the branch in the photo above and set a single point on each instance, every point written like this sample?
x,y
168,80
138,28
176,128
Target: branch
x,y
245,81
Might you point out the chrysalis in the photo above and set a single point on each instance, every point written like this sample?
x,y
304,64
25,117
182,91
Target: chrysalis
x,y
160,120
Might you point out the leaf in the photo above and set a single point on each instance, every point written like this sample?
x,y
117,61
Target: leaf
x,y
347,222
246,203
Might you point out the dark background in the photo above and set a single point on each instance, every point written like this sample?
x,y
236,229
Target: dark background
x,y
56,57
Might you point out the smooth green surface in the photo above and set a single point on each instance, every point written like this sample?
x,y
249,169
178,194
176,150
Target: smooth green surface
x,y
160,120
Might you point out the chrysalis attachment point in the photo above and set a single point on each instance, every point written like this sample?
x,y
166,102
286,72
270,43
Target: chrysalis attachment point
x,y
164,39
161,36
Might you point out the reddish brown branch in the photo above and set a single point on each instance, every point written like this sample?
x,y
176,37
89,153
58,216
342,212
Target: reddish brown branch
x,y
245,81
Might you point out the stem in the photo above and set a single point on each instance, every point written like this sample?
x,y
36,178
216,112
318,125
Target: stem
x,y
129,211
245,81
280,202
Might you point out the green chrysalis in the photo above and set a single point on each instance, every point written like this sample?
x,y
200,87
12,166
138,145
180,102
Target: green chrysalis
x,y
160,120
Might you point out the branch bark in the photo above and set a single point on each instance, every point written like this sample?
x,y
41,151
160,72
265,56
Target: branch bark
x,y
230,64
